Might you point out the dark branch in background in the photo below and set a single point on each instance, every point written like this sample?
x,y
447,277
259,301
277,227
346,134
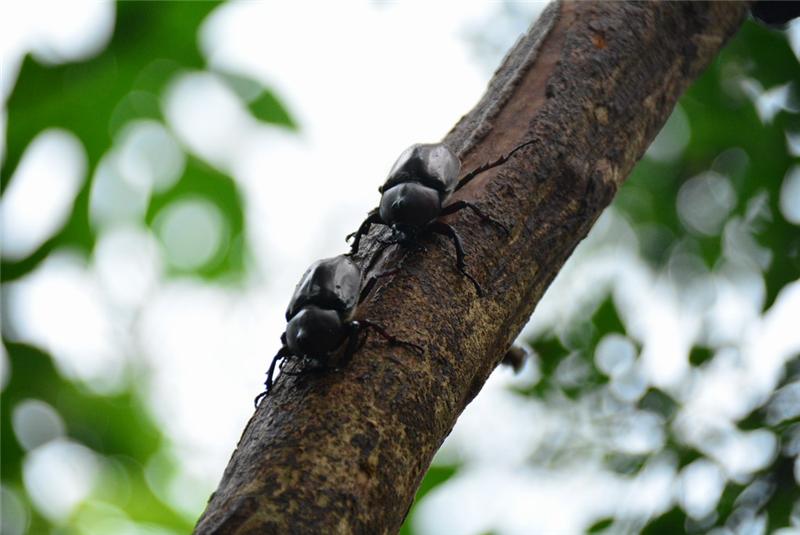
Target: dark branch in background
x,y
572,108
775,13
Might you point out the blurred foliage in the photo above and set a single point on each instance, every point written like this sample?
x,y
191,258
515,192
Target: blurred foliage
x,y
117,426
96,99
724,133
154,43
727,136
436,475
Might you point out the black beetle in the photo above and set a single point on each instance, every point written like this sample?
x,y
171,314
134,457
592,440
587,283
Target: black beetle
x,y
414,196
320,314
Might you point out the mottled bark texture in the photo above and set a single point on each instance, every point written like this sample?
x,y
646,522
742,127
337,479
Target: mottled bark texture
x,y
580,96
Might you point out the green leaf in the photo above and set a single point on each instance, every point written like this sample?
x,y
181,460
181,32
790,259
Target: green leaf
x,y
261,102
269,109
700,355
203,181
94,98
600,525
657,401
673,521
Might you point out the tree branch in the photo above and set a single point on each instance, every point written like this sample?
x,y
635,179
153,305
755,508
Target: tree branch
x,y
569,112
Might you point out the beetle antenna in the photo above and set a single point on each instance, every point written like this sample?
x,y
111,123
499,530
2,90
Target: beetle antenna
x,y
461,204
393,340
485,167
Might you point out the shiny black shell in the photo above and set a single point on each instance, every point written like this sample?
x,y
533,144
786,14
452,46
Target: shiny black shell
x,y
410,205
314,332
433,165
331,283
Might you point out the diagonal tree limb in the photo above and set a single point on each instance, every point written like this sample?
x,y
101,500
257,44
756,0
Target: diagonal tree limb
x,y
585,91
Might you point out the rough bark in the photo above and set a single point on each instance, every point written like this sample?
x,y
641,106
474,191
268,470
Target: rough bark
x,y
577,100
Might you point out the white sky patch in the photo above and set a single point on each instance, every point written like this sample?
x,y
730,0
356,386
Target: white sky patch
x,y
654,315
193,232
741,454
207,349
640,433
58,477
673,138
72,30
41,192
36,423
774,340
738,297
768,102
116,197
59,307
737,381
525,500
704,202
358,108
54,31
606,256
790,196
128,264
649,493
482,438
209,118
410,48
186,491
701,485
614,354
150,154
15,518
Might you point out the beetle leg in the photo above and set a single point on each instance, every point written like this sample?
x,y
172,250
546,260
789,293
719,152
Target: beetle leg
x,y
446,230
282,354
393,340
460,205
373,217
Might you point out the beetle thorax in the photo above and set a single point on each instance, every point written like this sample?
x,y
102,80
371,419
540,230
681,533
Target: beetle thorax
x,y
410,205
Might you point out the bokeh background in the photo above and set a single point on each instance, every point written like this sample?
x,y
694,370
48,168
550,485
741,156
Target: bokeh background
x,y
170,169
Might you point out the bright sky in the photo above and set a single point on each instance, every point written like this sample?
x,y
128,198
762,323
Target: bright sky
x,y
374,79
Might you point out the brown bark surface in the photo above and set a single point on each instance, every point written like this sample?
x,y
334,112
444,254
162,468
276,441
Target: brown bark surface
x,y
578,100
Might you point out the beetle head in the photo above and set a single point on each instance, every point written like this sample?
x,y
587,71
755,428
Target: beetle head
x,y
410,205
314,332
